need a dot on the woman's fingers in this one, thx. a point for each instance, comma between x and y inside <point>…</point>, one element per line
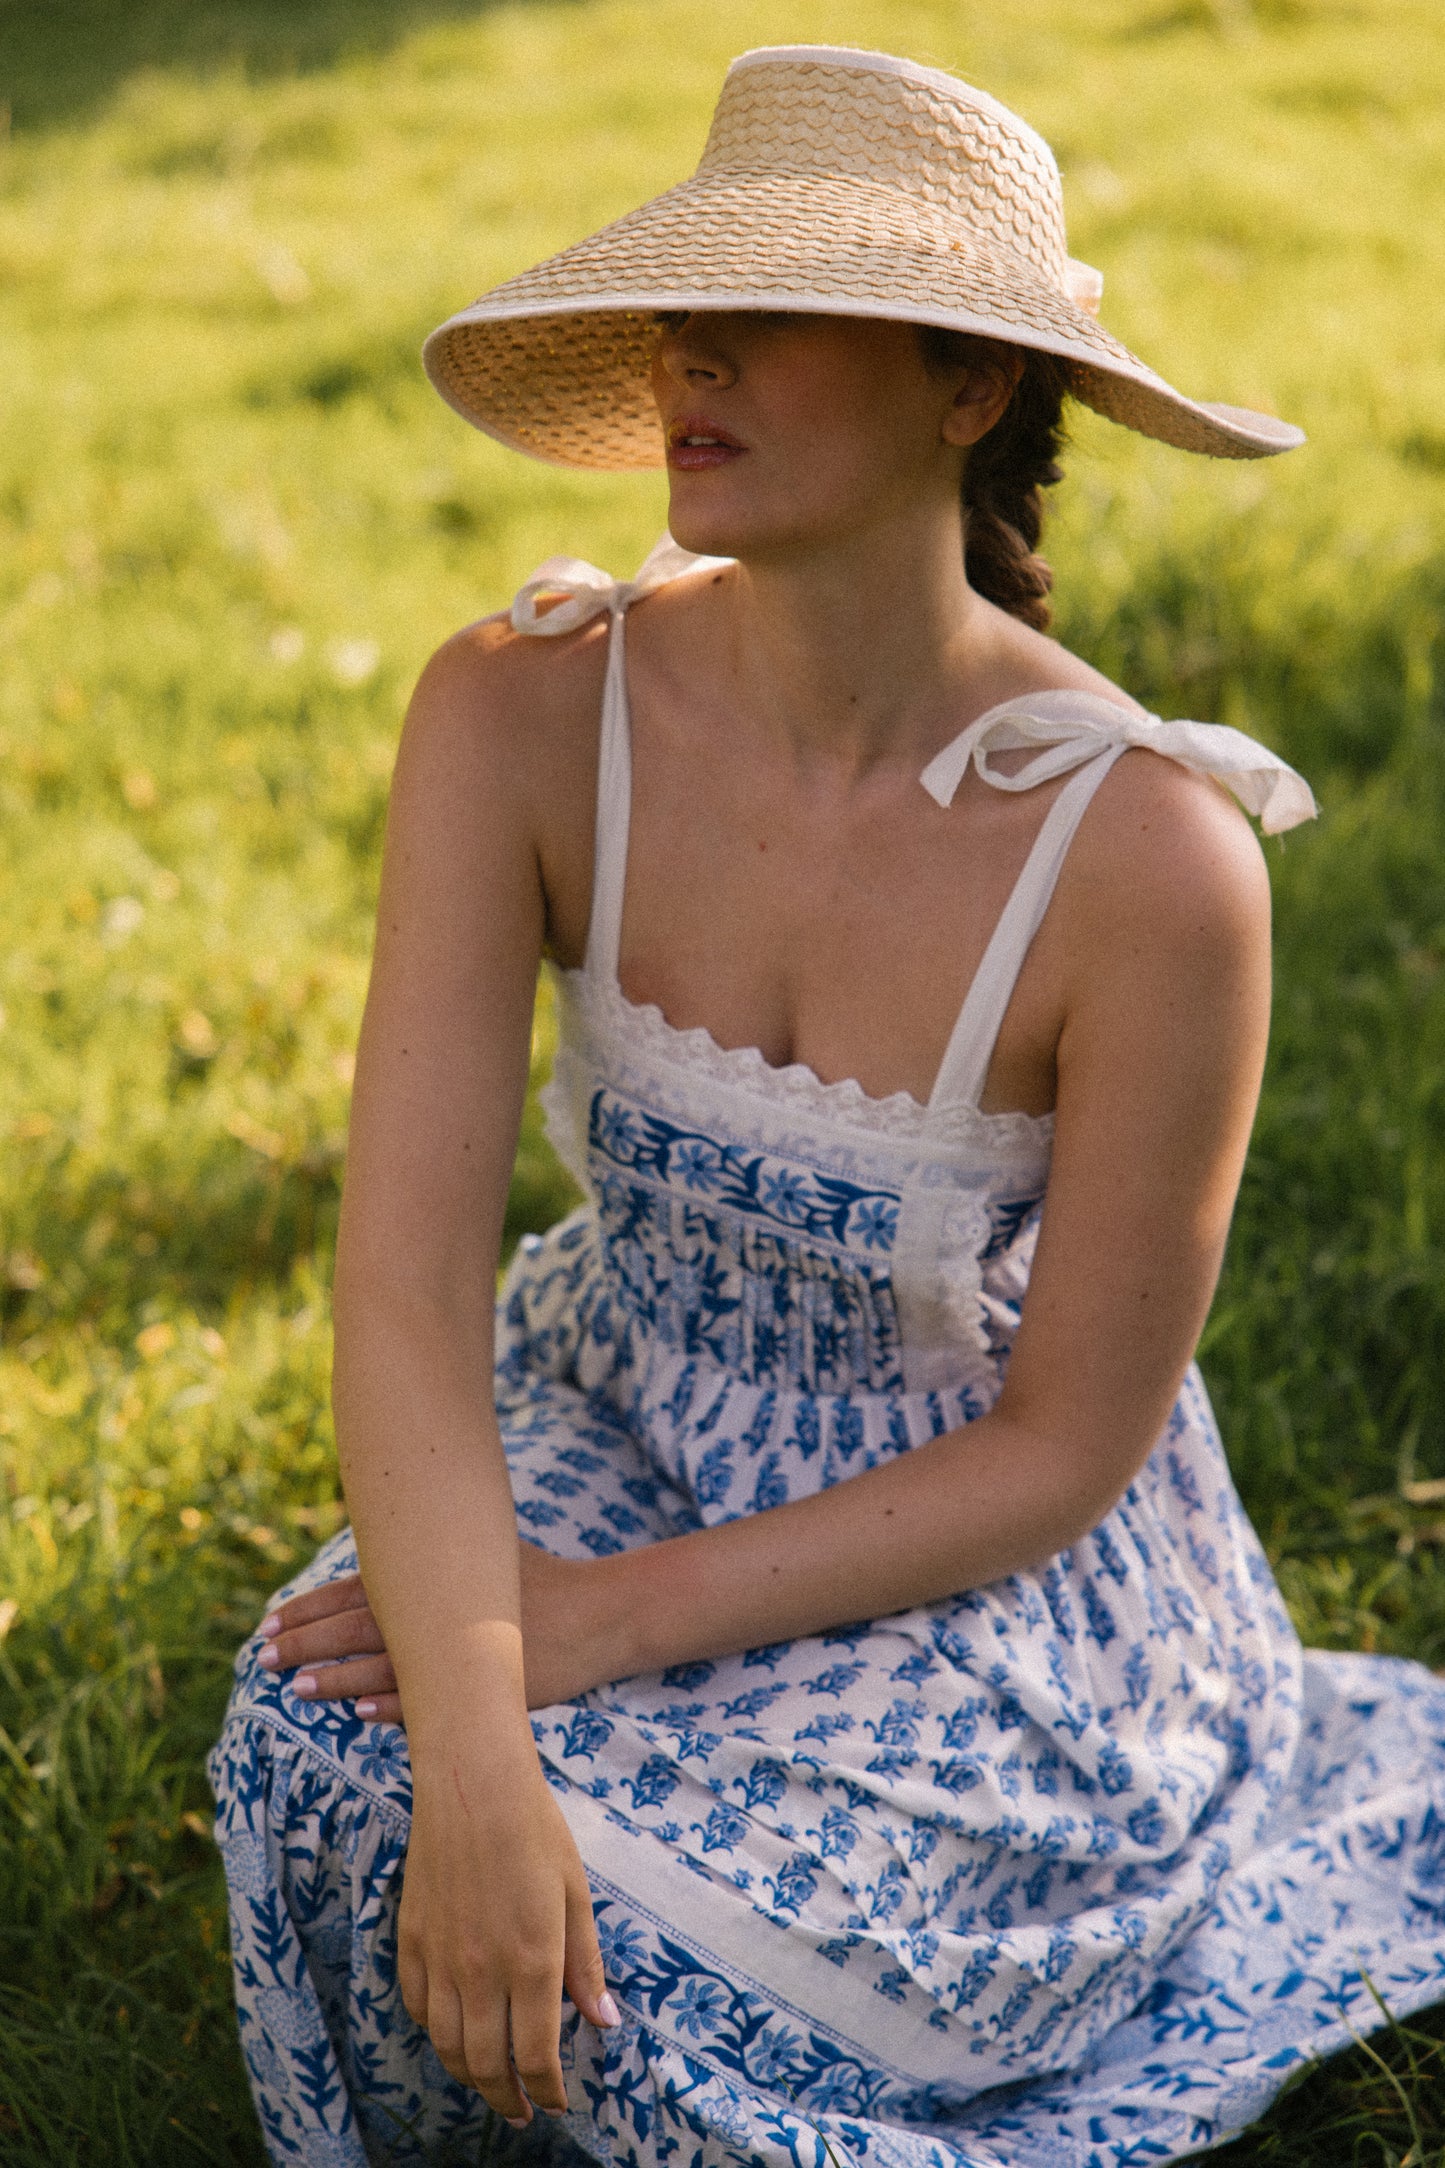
<point>346,1594</point>
<point>582,1973</point>
<point>352,1632</point>
<point>492,1878</point>
<point>444,2022</point>
<point>411,1974</point>
<point>369,1675</point>
<point>470,2036</point>
<point>490,2066</point>
<point>382,1709</point>
<point>536,2032</point>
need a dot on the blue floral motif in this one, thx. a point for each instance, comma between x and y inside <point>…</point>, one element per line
<point>714,1477</point>
<point>875,1222</point>
<point>724,1831</point>
<point>794,1882</point>
<point>384,1755</point>
<point>748,1183</point>
<point>771,1487</point>
<point>586,1735</point>
<point>1116,1772</point>
<point>698,2009</point>
<point>1146,1824</point>
<point>698,1164</point>
<point>616,1131</point>
<point>654,1783</point>
<point>835,1680</point>
<point>785,1195</point>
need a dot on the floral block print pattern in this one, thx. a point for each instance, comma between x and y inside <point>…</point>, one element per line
<point>711,2067</point>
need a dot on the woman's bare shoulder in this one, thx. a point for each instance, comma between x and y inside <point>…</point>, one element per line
<point>1166,856</point>
<point>494,681</point>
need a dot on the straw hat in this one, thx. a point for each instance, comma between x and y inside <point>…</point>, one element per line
<point>844,182</point>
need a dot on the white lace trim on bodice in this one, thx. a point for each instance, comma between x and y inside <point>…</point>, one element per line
<point>795,1089</point>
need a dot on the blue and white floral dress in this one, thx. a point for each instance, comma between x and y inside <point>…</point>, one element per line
<point>1072,1870</point>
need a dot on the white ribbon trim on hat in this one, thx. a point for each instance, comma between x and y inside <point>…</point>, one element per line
<point>1073,728</point>
<point>1083,285</point>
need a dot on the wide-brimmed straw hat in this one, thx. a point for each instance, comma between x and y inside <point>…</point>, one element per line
<point>843,182</point>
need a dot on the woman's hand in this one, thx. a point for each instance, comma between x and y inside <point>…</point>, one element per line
<point>496,1915</point>
<point>572,1620</point>
<point>333,1632</point>
<point>496,1922</point>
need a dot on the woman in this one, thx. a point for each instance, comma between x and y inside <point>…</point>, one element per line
<point>1069,1854</point>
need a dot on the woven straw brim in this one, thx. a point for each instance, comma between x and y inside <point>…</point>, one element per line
<point>556,362</point>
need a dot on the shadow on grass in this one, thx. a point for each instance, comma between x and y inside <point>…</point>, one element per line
<point>62,59</point>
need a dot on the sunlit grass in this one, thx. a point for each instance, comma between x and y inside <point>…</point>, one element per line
<point>236,521</point>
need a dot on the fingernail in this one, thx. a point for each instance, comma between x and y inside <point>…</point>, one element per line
<point>306,1684</point>
<point>269,1659</point>
<point>366,1708</point>
<point>519,2122</point>
<point>271,1625</point>
<point>607,2010</point>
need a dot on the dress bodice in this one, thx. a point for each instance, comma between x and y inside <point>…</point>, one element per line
<point>918,1217</point>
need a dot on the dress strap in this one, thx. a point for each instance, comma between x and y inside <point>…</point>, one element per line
<point>961,1076</point>
<point>1082,732</point>
<point>563,594</point>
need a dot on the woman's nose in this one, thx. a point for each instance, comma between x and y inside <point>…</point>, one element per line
<point>692,352</point>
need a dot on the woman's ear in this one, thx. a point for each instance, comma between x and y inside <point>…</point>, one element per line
<point>982,397</point>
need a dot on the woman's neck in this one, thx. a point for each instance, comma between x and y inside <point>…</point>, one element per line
<point>860,649</point>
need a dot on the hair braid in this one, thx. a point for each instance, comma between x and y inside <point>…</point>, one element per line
<point>1003,483</point>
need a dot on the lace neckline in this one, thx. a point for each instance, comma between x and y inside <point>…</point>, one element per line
<point>795,1084</point>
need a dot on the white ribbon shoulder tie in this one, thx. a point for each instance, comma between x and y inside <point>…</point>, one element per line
<point>1066,729</point>
<point>566,592</point>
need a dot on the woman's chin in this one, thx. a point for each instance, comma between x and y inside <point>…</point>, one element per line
<point>706,530</point>
<point>722,512</point>
<point>718,530</point>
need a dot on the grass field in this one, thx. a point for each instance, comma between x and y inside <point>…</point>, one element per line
<point>234,523</point>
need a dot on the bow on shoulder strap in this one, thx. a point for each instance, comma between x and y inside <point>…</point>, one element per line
<point>1064,730</point>
<point>566,592</point>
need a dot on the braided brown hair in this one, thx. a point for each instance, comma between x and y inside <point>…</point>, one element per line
<point>1007,472</point>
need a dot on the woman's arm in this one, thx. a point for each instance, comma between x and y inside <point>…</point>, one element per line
<point>495,1915</point>
<point>1163,923</point>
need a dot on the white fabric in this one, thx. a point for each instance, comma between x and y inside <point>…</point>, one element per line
<point>576,592</point>
<point>579,592</point>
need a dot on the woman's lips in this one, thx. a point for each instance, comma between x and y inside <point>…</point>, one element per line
<point>693,443</point>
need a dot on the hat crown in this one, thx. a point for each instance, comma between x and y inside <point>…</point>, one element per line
<point>928,136</point>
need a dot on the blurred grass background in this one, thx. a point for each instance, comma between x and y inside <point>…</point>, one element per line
<point>235,521</point>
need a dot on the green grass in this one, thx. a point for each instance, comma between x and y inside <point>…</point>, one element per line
<point>235,521</point>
